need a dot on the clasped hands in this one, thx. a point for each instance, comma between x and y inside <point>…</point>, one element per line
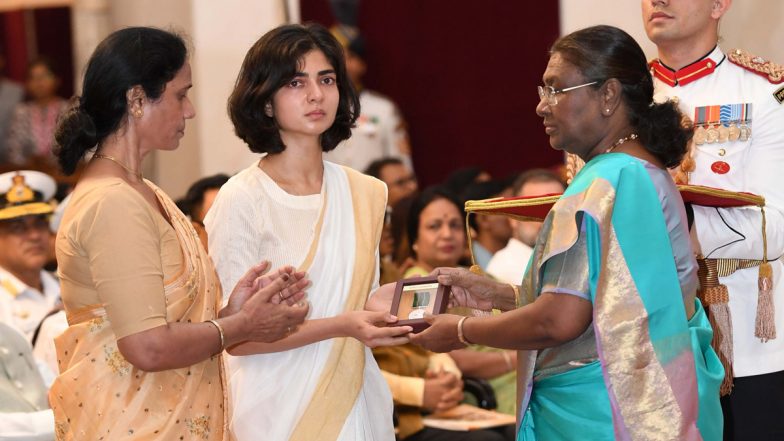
<point>272,305</point>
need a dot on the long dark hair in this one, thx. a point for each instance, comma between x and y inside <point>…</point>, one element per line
<point>605,52</point>
<point>137,56</point>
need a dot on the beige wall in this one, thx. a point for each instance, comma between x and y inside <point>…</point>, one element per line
<point>172,171</point>
<point>223,33</point>
<point>754,25</point>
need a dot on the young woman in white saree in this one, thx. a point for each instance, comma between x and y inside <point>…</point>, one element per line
<point>291,103</point>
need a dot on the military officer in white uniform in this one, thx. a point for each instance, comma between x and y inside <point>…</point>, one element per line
<point>380,130</point>
<point>735,102</point>
<point>27,292</point>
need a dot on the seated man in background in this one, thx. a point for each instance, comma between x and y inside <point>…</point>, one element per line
<point>401,184</point>
<point>401,181</point>
<point>508,264</point>
<point>490,233</point>
<point>27,292</point>
<point>198,200</point>
<point>380,130</point>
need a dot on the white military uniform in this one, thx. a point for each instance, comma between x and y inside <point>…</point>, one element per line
<point>379,133</point>
<point>23,307</point>
<point>24,408</point>
<point>715,90</point>
<point>509,263</point>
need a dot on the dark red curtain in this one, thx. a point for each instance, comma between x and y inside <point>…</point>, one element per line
<point>464,75</point>
<point>51,28</point>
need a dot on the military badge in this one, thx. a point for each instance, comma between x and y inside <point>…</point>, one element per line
<point>779,95</point>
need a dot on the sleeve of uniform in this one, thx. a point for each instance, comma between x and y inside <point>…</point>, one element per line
<point>763,177</point>
<point>231,232</point>
<point>27,426</point>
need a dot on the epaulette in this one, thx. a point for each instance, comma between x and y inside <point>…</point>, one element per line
<point>771,71</point>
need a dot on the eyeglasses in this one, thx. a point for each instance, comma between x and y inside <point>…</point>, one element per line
<point>24,225</point>
<point>550,93</point>
<point>404,181</point>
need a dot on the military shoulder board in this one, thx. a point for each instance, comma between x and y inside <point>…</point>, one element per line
<point>760,66</point>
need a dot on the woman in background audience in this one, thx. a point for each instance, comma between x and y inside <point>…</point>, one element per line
<point>436,227</point>
<point>141,358</point>
<point>31,134</point>
<point>292,102</point>
<point>436,231</point>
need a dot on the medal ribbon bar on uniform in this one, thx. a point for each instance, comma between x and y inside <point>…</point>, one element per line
<point>722,123</point>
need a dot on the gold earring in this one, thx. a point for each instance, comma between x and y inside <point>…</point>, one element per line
<point>138,113</point>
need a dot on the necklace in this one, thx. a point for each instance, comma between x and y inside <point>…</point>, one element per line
<point>631,137</point>
<point>113,159</point>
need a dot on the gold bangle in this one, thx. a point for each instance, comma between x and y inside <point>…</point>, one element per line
<point>516,294</point>
<point>222,336</point>
<point>508,360</point>
<point>460,335</point>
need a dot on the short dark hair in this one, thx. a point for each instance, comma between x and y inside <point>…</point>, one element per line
<point>459,179</point>
<point>195,194</point>
<point>271,63</point>
<point>420,202</point>
<point>482,190</point>
<point>375,167</point>
<point>605,52</point>
<point>137,56</point>
<point>535,175</point>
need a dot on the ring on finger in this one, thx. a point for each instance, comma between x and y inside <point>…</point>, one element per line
<point>280,295</point>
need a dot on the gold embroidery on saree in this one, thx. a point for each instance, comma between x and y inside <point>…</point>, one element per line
<point>116,362</point>
<point>199,426</point>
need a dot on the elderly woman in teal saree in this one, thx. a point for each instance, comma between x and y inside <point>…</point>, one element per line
<point>615,345</point>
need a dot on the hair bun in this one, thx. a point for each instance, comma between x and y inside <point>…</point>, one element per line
<point>75,135</point>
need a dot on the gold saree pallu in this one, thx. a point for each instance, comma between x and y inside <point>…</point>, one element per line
<point>341,380</point>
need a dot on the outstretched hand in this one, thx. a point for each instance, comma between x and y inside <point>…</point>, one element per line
<point>468,289</point>
<point>371,328</point>
<point>441,335</point>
